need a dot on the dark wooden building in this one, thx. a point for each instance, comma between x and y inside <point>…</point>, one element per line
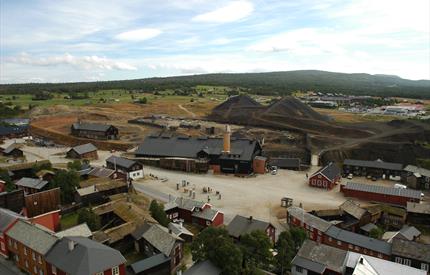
<point>376,193</point>
<point>13,131</point>
<point>132,169</point>
<point>94,131</point>
<point>411,253</point>
<point>377,168</point>
<point>225,155</point>
<point>285,163</point>
<point>12,151</point>
<point>240,226</point>
<point>32,185</point>
<point>326,177</point>
<point>418,213</point>
<point>416,177</point>
<point>85,151</point>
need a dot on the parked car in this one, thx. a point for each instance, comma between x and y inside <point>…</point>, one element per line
<point>349,177</point>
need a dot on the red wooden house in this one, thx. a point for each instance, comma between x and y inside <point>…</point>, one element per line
<point>7,219</point>
<point>195,212</point>
<point>326,177</point>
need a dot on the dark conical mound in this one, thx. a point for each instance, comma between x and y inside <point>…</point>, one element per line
<point>293,108</point>
<point>239,101</point>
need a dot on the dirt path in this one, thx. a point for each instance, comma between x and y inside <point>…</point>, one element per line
<point>186,110</point>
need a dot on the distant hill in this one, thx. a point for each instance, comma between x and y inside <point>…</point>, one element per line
<point>273,83</point>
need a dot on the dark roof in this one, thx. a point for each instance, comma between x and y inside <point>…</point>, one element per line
<point>318,257</point>
<point>10,148</point>
<point>84,148</point>
<point>410,249</point>
<point>87,256</point>
<point>401,192</point>
<point>242,225</point>
<point>352,208</point>
<point>184,203</point>
<point>7,217</point>
<point>148,263</point>
<point>359,240</point>
<point>285,162</point>
<point>101,172</point>
<point>203,268</point>
<point>374,164</point>
<point>123,162</point>
<point>208,214</point>
<point>34,236</point>
<point>188,147</point>
<point>418,208</point>
<point>309,219</point>
<point>9,130</point>
<point>330,171</point>
<point>91,127</point>
<point>31,183</point>
<point>368,227</point>
<point>158,236</point>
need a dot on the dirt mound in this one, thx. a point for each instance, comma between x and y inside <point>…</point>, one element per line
<point>292,107</point>
<point>235,106</point>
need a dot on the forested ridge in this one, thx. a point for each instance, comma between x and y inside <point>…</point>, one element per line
<point>272,83</point>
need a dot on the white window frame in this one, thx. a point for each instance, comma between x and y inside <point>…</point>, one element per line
<point>398,260</point>
<point>425,266</point>
<point>115,270</point>
<point>100,273</point>
<point>407,262</point>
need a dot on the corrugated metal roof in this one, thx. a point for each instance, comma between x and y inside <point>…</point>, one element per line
<point>207,214</point>
<point>374,164</point>
<point>188,147</point>
<point>7,217</point>
<point>80,230</point>
<point>330,171</point>
<point>311,220</point>
<point>401,192</point>
<point>101,172</point>
<point>91,127</point>
<point>411,250</point>
<point>308,264</point>
<point>285,162</point>
<point>31,183</point>
<point>419,170</point>
<point>84,148</point>
<point>359,240</point>
<point>123,162</point>
<point>205,267</point>
<point>353,209</point>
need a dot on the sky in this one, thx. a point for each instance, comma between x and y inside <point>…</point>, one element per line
<point>90,40</point>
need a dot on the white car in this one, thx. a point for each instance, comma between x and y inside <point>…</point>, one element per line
<point>349,177</point>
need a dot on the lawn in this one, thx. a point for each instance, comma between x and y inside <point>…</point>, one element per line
<point>69,220</point>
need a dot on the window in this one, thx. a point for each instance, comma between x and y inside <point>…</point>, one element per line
<point>100,273</point>
<point>425,266</point>
<point>40,259</point>
<point>339,243</point>
<point>54,270</point>
<point>16,258</point>
<point>350,246</point>
<point>26,263</point>
<point>357,248</point>
<point>407,262</point>
<point>379,255</point>
<point>115,270</point>
<point>208,222</point>
<point>34,256</point>
<point>2,246</point>
<point>25,251</point>
<point>35,269</point>
<point>10,242</point>
<point>299,269</point>
<point>15,244</point>
<point>330,239</point>
<point>398,260</point>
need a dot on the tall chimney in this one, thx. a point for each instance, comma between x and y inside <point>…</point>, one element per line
<point>227,135</point>
<point>71,245</point>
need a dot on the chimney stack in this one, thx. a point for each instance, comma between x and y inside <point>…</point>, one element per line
<point>227,136</point>
<point>71,245</point>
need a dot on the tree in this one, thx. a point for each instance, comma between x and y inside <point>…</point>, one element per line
<point>376,233</point>
<point>87,215</point>
<point>256,247</point>
<point>288,244</point>
<point>75,165</point>
<point>157,212</point>
<point>215,244</point>
<point>143,100</point>
<point>41,166</point>
<point>68,181</point>
<point>4,176</point>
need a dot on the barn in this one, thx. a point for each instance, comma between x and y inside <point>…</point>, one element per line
<point>85,151</point>
<point>376,168</point>
<point>12,150</point>
<point>94,131</point>
<point>377,193</point>
<point>326,177</point>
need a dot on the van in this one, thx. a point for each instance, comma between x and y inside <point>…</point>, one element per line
<point>400,186</point>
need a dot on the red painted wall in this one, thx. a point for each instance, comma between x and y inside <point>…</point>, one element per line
<point>107,272</point>
<point>49,220</point>
<point>219,219</point>
<point>369,196</point>
<point>3,241</point>
<point>324,183</point>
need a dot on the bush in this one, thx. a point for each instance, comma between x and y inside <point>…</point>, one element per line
<point>157,212</point>
<point>86,215</point>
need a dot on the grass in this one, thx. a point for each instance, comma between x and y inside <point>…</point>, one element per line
<point>69,220</point>
<point>133,256</point>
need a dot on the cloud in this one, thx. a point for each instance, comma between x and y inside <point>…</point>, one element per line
<point>233,11</point>
<point>138,34</point>
<point>220,41</point>
<point>83,62</point>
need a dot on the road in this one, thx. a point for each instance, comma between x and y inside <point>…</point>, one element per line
<point>152,192</point>
<point>186,110</point>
